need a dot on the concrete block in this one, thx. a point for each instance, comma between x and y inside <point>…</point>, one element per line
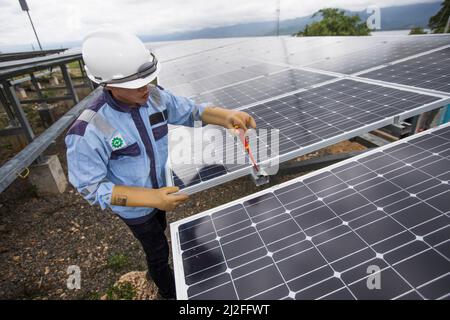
<point>54,81</point>
<point>22,93</point>
<point>48,177</point>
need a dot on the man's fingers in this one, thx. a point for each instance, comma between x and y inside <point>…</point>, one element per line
<point>252,122</point>
<point>238,122</point>
<point>179,197</point>
<point>171,189</point>
<point>230,125</point>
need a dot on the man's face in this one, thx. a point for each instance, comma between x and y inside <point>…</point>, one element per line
<point>134,97</point>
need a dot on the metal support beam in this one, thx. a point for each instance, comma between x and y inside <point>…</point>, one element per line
<point>35,85</point>
<point>316,163</point>
<point>6,105</point>
<point>18,111</point>
<point>69,83</point>
<point>83,72</point>
<point>81,85</point>
<point>10,170</point>
<point>84,75</point>
<point>400,129</point>
<point>385,135</point>
<point>370,140</point>
<point>46,100</point>
<point>28,78</point>
<point>10,131</point>
<point>90,84</point>
<point>414,123</point>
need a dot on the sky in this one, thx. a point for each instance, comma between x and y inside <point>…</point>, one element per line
<point>70,20</point>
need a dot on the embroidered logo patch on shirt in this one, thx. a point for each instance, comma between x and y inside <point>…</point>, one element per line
<point>117,142</point>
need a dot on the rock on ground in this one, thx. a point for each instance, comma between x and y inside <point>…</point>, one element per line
<point>144,289</point>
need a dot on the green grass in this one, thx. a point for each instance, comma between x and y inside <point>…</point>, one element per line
<point>117,262</point>
<point>93,295</point>
<point>73,65</point>
<point>121,291</point>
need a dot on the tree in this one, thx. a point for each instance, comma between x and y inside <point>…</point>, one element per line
<point>439,20</point>
<point>417,30</point>
<point>334,22</point>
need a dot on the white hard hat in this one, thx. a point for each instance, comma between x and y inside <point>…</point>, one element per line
<point>118,59</point>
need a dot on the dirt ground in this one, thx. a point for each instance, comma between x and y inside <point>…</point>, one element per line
<point>40,237</point>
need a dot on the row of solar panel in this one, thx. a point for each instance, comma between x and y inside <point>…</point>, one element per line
<point>330,117</point>
<point>321,236</point>
<point>345,55</point>
<point>309,120</point>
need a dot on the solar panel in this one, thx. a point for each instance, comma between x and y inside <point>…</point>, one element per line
<point>308,121</point>
<point>339,54</point>
<point>262,88</point>
<point>430,71</point>
<point>178,72</point>
<point>219,64</point>
<point>332,234</point>
<point>214,79</point>
<point>222,64</point>
<point>381,53</point>
<point>171,50</point>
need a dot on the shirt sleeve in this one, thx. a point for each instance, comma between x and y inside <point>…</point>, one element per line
<point>87,166</point>
<point>182,110</point>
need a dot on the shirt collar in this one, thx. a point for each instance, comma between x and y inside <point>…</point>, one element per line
<point>117,105</point>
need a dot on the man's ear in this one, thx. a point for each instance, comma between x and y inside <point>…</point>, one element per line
<point>111,89</point>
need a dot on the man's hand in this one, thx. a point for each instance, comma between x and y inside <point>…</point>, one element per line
<point>167,200</point>
<point>230,119</point>
<point>162,198</point>
<point>239,120</point>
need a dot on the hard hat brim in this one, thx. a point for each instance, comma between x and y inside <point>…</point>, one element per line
<point>132,84</point>
<point>138,83</point>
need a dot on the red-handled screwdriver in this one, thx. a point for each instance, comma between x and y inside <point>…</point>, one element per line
<point>245,141</point>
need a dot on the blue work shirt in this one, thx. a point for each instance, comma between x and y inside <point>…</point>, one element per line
<point>112,143</point>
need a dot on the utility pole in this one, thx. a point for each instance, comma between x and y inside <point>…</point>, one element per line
<point>278,17</point>
<point>24,6</point>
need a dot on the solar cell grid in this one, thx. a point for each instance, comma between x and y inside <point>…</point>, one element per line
<point>262,88</point>
<point>316,116</point>
<point>430,71</point>
<point>339,54</point>
<point>387,51</point>
<point>176,73</point>
<point>315,237</point>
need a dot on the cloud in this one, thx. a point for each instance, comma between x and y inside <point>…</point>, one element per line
<point>70,20</point>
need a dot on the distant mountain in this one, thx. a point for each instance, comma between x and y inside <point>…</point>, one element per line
<point>392,18</point>
<point>405,17</point>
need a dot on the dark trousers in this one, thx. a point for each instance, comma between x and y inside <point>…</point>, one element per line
<point>154,242</point>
